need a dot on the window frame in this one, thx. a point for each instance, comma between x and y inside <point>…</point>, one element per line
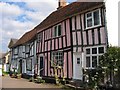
<point>29,64</point>
<point>57,53</point>
<point>56,31</point>
<point>92,55</point>
<point>92,16</point>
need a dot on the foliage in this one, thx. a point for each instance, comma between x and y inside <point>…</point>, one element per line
<point>31,79</point>
<point>4,73</point>
<point>18,70</point>
<point>56,67</point>
<point>39,80</point>
<point>110,63</point>
<point>109,67</point>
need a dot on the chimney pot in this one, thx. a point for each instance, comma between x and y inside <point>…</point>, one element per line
<point>61,4</point>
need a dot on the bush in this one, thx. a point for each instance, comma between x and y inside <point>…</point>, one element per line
<point>31,79</point>
<point>39,80</point>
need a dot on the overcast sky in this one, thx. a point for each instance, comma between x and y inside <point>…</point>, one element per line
<point>18,17</point>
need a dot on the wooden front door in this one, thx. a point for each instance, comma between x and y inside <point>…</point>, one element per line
<point>77,66</point>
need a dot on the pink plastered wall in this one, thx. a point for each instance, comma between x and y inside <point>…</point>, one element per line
<point>78,22</point>
<point>45,61</point>
<point>73,23</point>
<point>60,43</point>
<point>64,42</point>
<point>79,49</point>
<point>70,64</point>
<point>82,18</point>
<point>102,33</point>
<point>53,44</point>
<point>79,38</point>
<point>56,43</point>
<point>68,32</point>
<point>74,38</point>
<point>96,36</point>
<point>65,64</point>
<point>63,28</point>
<point>43,43</point>
<point>90,37</point>
<point>84,38</point>
<point>49,45</point>
<point>49,64</point>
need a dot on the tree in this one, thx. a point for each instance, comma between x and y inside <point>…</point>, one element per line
<point>110,63</point>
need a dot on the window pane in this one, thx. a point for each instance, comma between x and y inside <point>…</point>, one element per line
<point>55,32</point>
<point>94,50</point>
<point>78,60</point>
<point>87,61</point>
<point>94,61</point>
<point>58,58</point>
<point>101,49</point>
<point>87,51</point>
<point>96,17</point>
<point>59,30</point>
<point>89,15</point>
<point>89,22</point>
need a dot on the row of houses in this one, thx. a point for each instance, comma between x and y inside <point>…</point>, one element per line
<point>74,37</point>
<point>5,58</point>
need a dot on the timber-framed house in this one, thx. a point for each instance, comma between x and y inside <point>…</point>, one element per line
<point>75,36</point>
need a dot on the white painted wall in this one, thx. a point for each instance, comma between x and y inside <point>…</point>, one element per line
<point>6,67</point>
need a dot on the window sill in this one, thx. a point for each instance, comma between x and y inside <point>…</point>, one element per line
<point>92,27</point>
<point>55,37</point>
<point>90,68</point>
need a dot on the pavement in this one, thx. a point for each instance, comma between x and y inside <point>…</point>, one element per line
<point>8,82</point>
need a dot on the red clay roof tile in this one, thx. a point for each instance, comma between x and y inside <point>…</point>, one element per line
<point>66,12</point>
<point>58,16</point>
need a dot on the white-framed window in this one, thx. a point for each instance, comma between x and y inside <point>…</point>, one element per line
<point>57,31</point>
<point>93,19</point>
<point>57,58</point>
<point>92,56</point>
<point>16,50</point>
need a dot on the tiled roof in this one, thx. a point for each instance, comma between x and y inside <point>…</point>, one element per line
<point>2,55</point>
<point>66,12</point>
<point>58,16</point>
<point>12,42</point>
<point>26,37</point>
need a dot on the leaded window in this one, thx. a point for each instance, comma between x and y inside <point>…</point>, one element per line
<point>57,58</point>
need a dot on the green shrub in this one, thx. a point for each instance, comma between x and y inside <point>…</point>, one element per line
<point>39,80</point>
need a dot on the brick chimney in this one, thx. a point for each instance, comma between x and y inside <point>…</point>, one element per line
<point>61,4</point>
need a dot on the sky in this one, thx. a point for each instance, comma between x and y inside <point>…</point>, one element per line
<point>20,16</point>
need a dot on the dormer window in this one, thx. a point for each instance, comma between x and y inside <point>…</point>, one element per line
<point>93,19</point>
<point>57,31</point>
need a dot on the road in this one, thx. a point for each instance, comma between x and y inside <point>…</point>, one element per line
<point>13,83</point>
